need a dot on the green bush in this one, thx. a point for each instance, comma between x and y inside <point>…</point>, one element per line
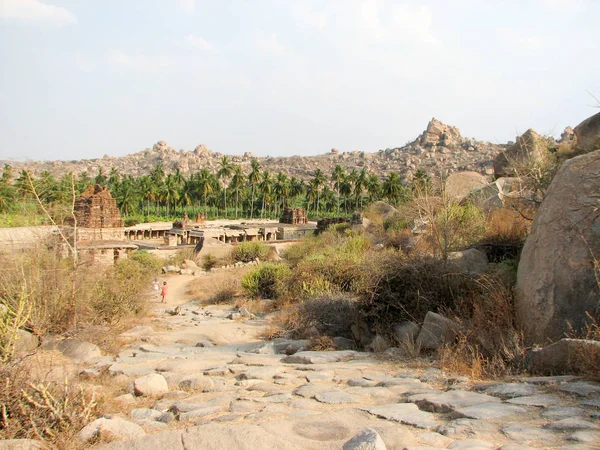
<point>148,261</point>
<point>209,261</point>
<point>249,251</point>
<point>266,281</point>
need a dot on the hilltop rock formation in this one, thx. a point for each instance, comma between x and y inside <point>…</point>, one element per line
<point>529,148</point>
<point>440,148</point>
<point>439,134</point>
<point>556,280</point>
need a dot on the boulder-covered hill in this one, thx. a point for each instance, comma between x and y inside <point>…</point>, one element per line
<point>439,148</point>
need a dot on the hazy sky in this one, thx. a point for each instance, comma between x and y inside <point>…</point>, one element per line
<point>85,78</point>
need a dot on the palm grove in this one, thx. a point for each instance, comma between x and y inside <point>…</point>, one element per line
<point>228,192</point>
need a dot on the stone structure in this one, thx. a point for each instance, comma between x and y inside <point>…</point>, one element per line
<point>556,280</point>
<point>97,209</point>
<point>293,216</point>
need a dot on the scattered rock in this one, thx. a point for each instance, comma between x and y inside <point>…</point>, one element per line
<point>470,261</point>
<point>367,439</point>
<point>112,428</point>
<point>406,332</point>
<point>150,385</point>
<point>75,349</point>
<point>26,342</point>
<point>436,331</point>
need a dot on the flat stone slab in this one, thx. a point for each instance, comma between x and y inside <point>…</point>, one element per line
<point>336,398</point>
<point>466,428</point>
<point>562,412</point>
<point>572,424</point>
<point>550,379</point>
<point>310,357</point>
<point>527,433</point>
<point>449,401</point>
<point>471,444</point>
<point>310,390</point>
<point>260,373</point>
<point>592,437</point>
<point>506,390</point>
<point>489,411</point>
<point>406,413</point>
<point>593,402</point>
<point>541,400</point>
<point>581,388</point>
<point>361,382</point>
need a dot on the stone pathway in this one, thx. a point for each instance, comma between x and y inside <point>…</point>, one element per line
<point>208,382</point>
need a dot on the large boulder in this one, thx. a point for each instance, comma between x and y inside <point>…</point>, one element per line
<point>556,280</point>
<point>440,134</point>
<point>529,148</point>
<point>471,261</point>
<point>564,356</point>
<point>110,428</point>
<point>436,331</point>
<point>151,384</point>
<point>587,134</point>
<point>77,350</point>
<point>460,184</point>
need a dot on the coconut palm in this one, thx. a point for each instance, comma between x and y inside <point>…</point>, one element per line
<point>204,185</point>
<point>392,188</point>
<point>318,182</point>
<point>237,182</point>
<point>253,180</point>
<point>223,174</point>
<point>266,187</point>
<point>147,190</point>
<point>337,177</point>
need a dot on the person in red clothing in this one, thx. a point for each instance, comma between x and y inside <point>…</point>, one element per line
<point>164,292</point>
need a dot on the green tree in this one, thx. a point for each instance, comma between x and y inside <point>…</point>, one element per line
<point>204,185</point>
<point>253,180</point>
<point>318,182</point>
<point>224,174</point>
<point>237,182</point>
<point>337,177</point>
<point>265,186</point>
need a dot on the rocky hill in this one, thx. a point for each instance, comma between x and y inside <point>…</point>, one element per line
<point>439,148</point>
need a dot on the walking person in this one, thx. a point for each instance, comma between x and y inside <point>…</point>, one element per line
<point>155,287</point>
<point>164,292</point>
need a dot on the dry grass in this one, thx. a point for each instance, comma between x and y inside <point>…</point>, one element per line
<point>48,411</point>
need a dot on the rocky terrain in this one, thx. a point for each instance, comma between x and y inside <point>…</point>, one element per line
<point>203,378</point>
<point>439,147</point>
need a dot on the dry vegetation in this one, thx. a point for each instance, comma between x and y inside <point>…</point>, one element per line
<point>44,293</point>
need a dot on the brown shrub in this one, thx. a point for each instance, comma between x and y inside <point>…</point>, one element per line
<point>46,411</point>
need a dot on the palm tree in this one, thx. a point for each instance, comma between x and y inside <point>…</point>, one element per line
<point>392,187</point>
<point>147,190</point>
<point>318,182</point>
<point>170,192</point>
<point>126,197</point>
<point>281,189</point>
<point>188,190</point>
<point>359,186</point>
<point>265,186</point>
<point>337,177</point>
<point>253,180</point>
<point>224,173</point>
<point>100,177</point>
<point>237,182</point>
<point>204,184</point>
<point>113,178</point>
<point>373,186</point>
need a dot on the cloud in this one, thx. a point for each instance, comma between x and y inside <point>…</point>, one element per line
<point>269,43</point>
<point>524,41</point>
<point>308,17</point>
<point>37,12</point>
<point>378,21</point>
<point>187,5</point>
<point>200,43</point>
<point>119,58</point>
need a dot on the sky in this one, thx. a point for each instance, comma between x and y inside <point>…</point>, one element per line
<point>87,78</point>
